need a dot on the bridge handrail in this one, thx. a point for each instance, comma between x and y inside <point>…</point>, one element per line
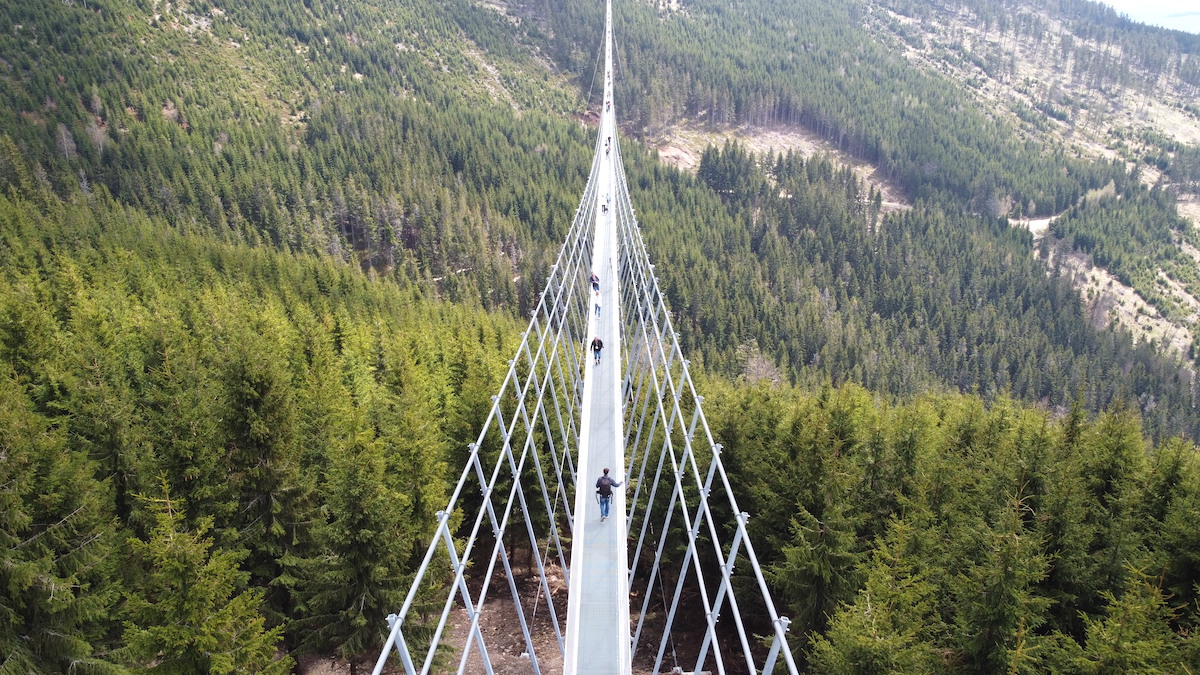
<point>649,320</point>
<point>561,306</point>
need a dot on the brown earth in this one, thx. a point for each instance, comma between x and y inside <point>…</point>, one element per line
<point>682,145</point>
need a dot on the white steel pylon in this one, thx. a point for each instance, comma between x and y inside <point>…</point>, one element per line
<point>528,483</point>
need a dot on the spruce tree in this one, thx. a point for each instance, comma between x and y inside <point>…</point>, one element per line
<point>189,610</point>
<point>1135,635</point>
<point>351,583</point>
<point>56,547</point>
<point>893,624</point>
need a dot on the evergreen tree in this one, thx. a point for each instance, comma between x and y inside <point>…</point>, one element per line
<point>262,455</point>
<point>997,596</point>
<point>188,611</point>
<point>351,583</point>
<point>893,625</point>
<point>818,571</point>
<point>56,548</point>
<point>1135,635</point>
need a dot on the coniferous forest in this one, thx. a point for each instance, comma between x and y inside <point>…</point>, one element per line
<point>263,264</point>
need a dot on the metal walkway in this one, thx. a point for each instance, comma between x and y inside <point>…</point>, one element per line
<point>527,487</point>
<point>598,608</point>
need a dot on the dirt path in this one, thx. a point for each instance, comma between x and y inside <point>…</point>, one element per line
<point>1112,301</point>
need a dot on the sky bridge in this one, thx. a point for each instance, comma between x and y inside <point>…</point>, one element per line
<point>653,588</point>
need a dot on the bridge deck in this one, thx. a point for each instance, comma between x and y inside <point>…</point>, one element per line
<point>529,410</point>
<point>598,633</point>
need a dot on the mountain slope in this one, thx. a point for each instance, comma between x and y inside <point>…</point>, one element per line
<point>262,263</point>
<point>434,144</point>
<point>1074,75</point>
<point>355,131</point>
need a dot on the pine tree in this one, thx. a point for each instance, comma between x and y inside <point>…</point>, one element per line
<point>996,595</point>
<point>189,611</point>
<point>262,454</point>
<point>1136,636</point>
<point>348,587</point>
<point>818,570</point>
<point>56,545</point>
<point>893,623</point>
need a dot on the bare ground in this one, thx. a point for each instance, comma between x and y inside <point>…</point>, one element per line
<point>1112,301</point>
<point>682,145</point>
<point>506,646</point>
<point>1103,122</point>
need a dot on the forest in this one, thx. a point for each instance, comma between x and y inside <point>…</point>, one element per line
<point>943,535</point>
<point>262,265</point>
<point>209,447</point>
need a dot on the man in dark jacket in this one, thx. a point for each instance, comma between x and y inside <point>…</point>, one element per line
<point>597,345</point>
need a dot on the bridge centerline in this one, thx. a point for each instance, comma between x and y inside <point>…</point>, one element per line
<point>530,431</point>
<point>598,631</point>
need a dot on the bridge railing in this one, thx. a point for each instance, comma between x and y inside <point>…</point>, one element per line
<point>681,487</point>
<point>519,474</point>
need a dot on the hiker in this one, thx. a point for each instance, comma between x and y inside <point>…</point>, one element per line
<point>597,305</point>
<point>604,486</point>
<point>595,282</point>
<point>597,345</point>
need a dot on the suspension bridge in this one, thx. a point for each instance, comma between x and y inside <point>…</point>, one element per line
<point>652,589</point>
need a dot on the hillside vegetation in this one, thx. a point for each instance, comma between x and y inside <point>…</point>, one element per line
<point>985,91</point>
<point>212,449</point>
<point>209,447</point>
<point>1076,75</point>
<point>262,263</point>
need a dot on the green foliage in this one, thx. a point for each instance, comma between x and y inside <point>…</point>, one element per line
<point>1002,537</point>
<point>325,129</point>
<point>924,299</point>
<point>1135,635</point>
<point>253,382</point>
<point>811,64</point>
<point>56,543</point>
<point>427,142</point>
<point>892,626</point>
<point>1134,235</point>
<point>352,583</point>
<point>817,571</point>
<point>188,610</point>
<point>188,195</point>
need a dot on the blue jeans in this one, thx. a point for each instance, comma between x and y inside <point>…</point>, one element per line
<point>605,502</point>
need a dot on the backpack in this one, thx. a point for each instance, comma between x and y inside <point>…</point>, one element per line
<point>604,486</point>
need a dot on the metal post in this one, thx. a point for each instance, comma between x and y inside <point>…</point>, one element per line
<point>394,622</point>
<point>781,626</point>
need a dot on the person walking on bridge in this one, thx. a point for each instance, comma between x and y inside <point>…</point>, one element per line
<point>604,488</point>
<point>597,345</point>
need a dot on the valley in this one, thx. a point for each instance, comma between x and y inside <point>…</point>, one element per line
<point>264,265</point>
